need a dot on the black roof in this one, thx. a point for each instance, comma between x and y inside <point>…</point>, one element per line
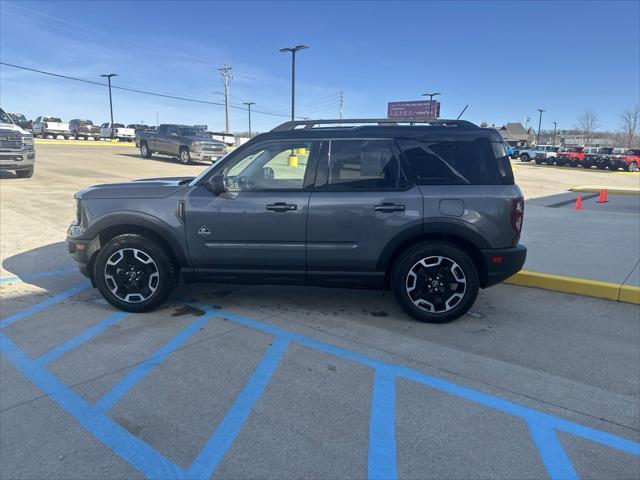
<point>382,128</point>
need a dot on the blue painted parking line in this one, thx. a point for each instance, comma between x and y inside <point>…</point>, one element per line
<point>382,427</point>
<point>129,381</point>
<point>219,443</point>
<point>382,447</point>
<point>44,304</point>
<point>36,276</point>
<point>120,441</point>
<point>85,336</point>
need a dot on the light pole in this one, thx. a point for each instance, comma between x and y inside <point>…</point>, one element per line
<point>293,51</point>
<point>109,75</point>
<point>539,126</point>
<point>226,80</point>
<point>248,104</point>
<point>431,109</point>
<point>555,127</point>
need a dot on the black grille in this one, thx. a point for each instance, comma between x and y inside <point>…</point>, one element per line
<point>9,139</point>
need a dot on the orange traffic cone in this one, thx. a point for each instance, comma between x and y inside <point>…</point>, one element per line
<point>579,202</point>
<point>604,196</point>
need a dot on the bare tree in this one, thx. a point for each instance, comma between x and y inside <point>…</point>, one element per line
<point>588,123</point>
<point>630,124</point>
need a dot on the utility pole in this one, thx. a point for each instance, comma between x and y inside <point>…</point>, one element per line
<point>341,104</point>
<point>555,127</point>
<point>248,104</point>
<point>539,126</point>
<point>109,75</point>
<point>293,51</point>
<point>226,80</point>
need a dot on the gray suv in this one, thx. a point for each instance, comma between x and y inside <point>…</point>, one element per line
<point>430,211</point>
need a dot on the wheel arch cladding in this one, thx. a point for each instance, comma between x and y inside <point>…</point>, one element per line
<point>462,237</point>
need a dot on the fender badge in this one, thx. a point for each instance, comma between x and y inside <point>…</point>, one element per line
<point>204,231</point>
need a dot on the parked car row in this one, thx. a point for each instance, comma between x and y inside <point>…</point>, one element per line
<point>601,157</point>
<point>51,126</point>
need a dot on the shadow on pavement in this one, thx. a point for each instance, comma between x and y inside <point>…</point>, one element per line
<point>161,159</point>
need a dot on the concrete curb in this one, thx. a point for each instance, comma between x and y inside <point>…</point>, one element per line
<point>83,143</point>
<point>577,286</point>
<point>594,189</point>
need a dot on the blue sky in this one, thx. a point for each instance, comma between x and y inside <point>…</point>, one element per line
<point>505,59</point>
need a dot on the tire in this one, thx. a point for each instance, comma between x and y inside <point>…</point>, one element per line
<point>144,151</point>
<point>184,156</point>
<point>573,163</point>
<point>43,134</point>
<point>410,270</point>
<point>27,173</point>
<point>524,157</point>
<point>115,268</point>
<point>613,168</point>
<point>551,161</point>
<point>538,161</point>
<point>632,167</point>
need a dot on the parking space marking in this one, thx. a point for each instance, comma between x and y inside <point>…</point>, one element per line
<point>382,426</point>
<point>85,336</point>
<point>129,447</point>
<point>551,451</point>
<point>382,447</point>
<point>36,276</point>
<point>223,437</point>
<point>44,304</point>
<point>119,390</point>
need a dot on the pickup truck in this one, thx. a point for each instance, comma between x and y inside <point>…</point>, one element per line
<point>119,131</point>
<point>54,126</point>
<point>572,156</point>
<point>182,141</point>
<point>84,129</point>
<point>16,148</point>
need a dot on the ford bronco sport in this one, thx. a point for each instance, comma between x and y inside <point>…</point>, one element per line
<point>430,211</point>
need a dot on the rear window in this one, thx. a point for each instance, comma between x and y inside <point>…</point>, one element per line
<point>52,119</point>
<point>118,125</point>
<point>477,162</point>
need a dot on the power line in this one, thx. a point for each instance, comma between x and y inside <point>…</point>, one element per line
<point>135,90</point>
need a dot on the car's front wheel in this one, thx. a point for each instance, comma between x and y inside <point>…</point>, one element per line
<point>184,156</point>
<point>524,157</point>
<point>144,151</point>
<point>134,273</point>
<point>435,282</point>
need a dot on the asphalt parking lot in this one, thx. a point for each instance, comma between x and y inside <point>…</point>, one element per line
<point>289,382</point>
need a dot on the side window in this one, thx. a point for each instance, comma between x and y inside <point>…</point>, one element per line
<point>162,130</point>
<point>171,130</point>
<point>360,165</point>
<point>279,165</point>
<point>479,161</point>
<point>427,167</point>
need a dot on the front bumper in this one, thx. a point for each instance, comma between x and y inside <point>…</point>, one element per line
<point>503,263</point>
<point>17,159</point>
<point>206,155</point>
<point>82,249</point>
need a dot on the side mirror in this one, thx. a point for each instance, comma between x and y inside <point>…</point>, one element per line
<point>216,184</point>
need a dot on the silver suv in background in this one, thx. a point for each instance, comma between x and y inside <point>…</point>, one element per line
<point>545,154</point>
<point>16,148</point>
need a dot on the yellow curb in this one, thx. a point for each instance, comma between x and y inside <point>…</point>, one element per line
<point>630,294</point>
<point>575,169</point>
<point>87,143</point>
<point>594,189</point>
<point>578,286</point>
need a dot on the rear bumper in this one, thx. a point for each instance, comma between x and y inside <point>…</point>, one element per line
<point>502,263</point>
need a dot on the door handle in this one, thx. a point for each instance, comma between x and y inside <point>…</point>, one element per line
<point>282,207</point>
<point>388,208</point>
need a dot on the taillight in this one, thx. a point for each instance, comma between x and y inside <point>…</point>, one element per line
<point>517,214</point>
<point>46,125</point>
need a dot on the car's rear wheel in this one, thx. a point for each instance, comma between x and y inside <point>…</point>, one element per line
<point>144,151</point>
<point>551,161</point>
<point>184,155</point>
<point>134,273</point>
<point>524,157</point>
<point>632,167</point>
<point>435,282</point>
<point>574,163</point>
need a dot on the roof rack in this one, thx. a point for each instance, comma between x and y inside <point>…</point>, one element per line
<point>292,125</point>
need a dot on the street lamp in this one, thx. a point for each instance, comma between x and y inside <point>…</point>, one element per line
<point>539,126</point>
<point>293,51</point>
<point>248,104</point>
<point>109,75</point>
<point>431,95</point>
<point>555,127</point>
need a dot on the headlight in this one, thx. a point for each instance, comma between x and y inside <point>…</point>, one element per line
<point>196,146</point>
<point>27,140</point>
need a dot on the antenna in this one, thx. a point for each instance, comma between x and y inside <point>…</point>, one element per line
<point>463,110</point>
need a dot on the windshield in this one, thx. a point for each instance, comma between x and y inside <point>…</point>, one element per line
<point>193,132</point>
<point>4,118</point>
<point>18,117</point>
<point>84,123</point>
<point>118,125</point>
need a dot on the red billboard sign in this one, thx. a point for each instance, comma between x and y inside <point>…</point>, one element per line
<point>419,109</point>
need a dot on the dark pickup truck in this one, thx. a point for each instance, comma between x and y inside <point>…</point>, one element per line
<point>182,141</point>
